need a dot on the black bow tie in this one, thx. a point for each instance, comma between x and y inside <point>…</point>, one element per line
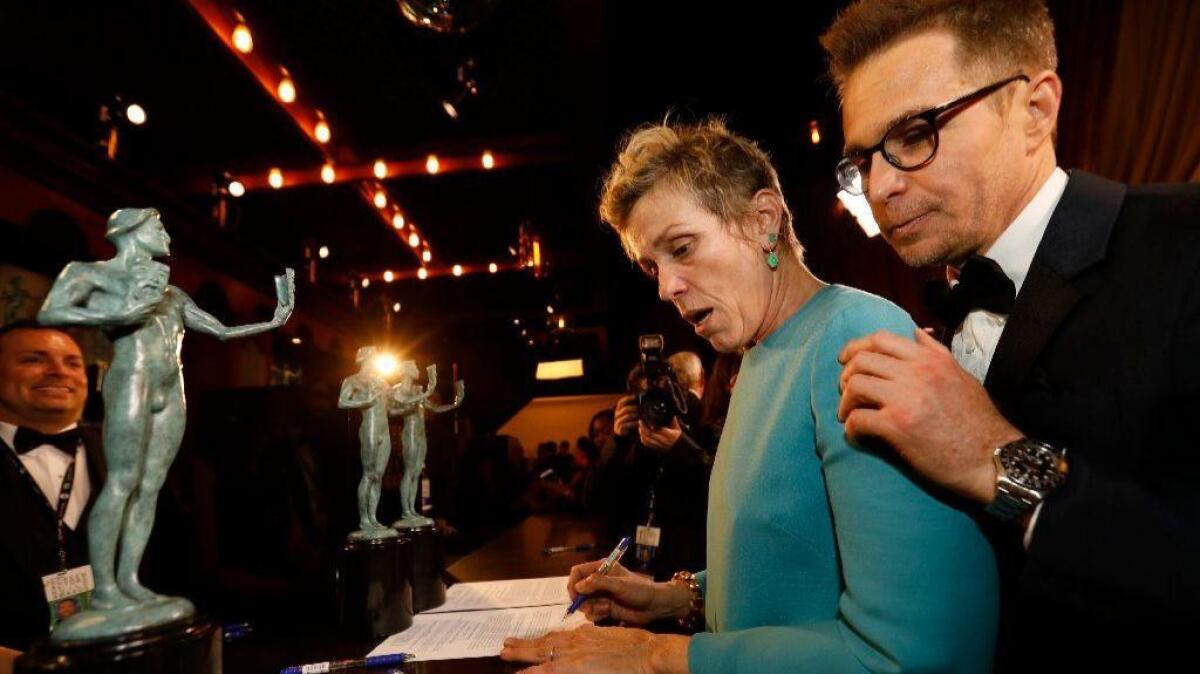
<point>982,284</point>
<point>28,439</point>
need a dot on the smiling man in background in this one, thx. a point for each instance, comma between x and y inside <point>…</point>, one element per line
<point>46,481</point>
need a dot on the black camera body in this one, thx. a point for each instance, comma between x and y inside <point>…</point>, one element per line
<point>660,398</point>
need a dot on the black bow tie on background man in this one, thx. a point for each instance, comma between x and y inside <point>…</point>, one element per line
<point>982,284</point>
<point>28,439</point>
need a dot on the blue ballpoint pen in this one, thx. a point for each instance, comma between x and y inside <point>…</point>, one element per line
<point>339,665</point>
<point>613,558</point>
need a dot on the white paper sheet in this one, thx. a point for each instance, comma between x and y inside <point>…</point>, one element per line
<point>505,594</point>
<point>475,634</point>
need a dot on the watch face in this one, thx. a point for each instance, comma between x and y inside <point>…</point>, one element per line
<point>1033,465</point>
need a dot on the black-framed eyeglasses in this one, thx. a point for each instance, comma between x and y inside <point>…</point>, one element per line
<point>910,143</point>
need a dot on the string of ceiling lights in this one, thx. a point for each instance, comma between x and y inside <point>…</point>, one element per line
<point>233,30</point>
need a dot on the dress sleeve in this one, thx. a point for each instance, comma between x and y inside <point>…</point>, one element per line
<point>919,579</point>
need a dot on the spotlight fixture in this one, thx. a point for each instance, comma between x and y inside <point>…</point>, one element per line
<point>366,282</point>
<point>236,188</point>
<point>457,269</point>
<point>243,41</point>
<point>426,256</point>
<point>388,276</point>
<point>422,273</point>
<point>549,309</point>
<point>467,87</point>
<point>488,160</point>
<point>275,178</point>
<point>297,341</point>
<point>414,240</point>
<point>385,364</point>
<point>396,308</point>
<point>323,252</point>
<point>516,321</point>
<point>380,199</point>
<point>432,165</point>
<point>328,175</point>
<point>562,322</point>
<point>398,221</point>
<point>493,268</point>
<point>814,132</point>
<point>286,89</point>
<point>380,169</point>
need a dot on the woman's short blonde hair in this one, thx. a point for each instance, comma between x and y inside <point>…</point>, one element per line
<point>719,168</point>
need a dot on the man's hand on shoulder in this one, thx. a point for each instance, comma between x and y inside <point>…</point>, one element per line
<point>915,397</point>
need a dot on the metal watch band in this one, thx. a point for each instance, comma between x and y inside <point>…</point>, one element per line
<point>1007,507</point>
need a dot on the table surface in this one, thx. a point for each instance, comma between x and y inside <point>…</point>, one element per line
<point>517,553</point>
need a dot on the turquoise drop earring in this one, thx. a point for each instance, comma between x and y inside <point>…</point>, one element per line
<point>772,254</point>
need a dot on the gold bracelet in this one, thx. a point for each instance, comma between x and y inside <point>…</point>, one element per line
<point>693,620</point>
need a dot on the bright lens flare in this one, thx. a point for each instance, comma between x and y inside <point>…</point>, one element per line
<point>385,364</point>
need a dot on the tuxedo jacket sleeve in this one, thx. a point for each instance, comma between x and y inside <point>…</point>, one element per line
<point>1101,355</point>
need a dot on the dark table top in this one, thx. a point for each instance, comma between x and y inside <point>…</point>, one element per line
<point>517,553</point>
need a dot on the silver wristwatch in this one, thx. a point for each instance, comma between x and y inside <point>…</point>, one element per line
<point>1026,471</point>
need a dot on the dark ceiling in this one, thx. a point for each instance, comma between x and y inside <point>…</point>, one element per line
<point>573,74</point>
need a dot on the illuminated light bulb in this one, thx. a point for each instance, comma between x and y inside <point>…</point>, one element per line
<point>275,178</point>
<point>398,221</point>
<point>451,111</point>
<point>136,114</point>
<point>426,256</point>
<point>323,252</point>
<point>388,276</point>
<point>814,132</point>
<point>488,160</point>
<point>243,41</point>
<point>328,175</point>
<point>432,165</point>
<point>321,131</point>
<point>366,283</point>
<point>380,199</point>
<point>286,90</point>
<point>396,308</point>
<point>414,240</point>
<point>422,273</point>
<point>562,322</point>
<point>516,321</point>
<point>457,269</point>
<point>493,268</point>
<point>385,364</point>
<point>236,188</point>
<point>380,169</point>
<point>296,340</point>
<point>549,309</point>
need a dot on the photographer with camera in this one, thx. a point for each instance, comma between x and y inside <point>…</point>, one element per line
<point>659,468</point>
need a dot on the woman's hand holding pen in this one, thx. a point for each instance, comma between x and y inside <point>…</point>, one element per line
<point>625,596</point>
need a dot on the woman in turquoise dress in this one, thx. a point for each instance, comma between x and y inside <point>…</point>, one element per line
<point>823,556</point>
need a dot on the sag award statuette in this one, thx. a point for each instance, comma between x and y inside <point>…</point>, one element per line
<point>410,402</point>
<point>129,628</point>
<point>374,566</point>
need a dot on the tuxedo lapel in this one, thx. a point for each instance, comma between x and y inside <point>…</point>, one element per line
<point>1076,238</point>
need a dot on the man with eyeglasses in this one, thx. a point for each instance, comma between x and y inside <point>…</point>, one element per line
<point>1062,405</point>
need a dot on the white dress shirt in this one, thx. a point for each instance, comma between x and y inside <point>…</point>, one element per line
<point>47,465</point>
<point>975,341</point>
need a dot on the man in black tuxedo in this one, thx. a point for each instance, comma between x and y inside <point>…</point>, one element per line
<point>43,388</point>
<point>1063,403</point>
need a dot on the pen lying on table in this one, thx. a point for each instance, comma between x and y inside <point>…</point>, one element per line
<point>341,665</point>
<point>559,549</point>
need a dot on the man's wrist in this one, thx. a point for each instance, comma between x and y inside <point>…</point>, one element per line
<point>984,490</point>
